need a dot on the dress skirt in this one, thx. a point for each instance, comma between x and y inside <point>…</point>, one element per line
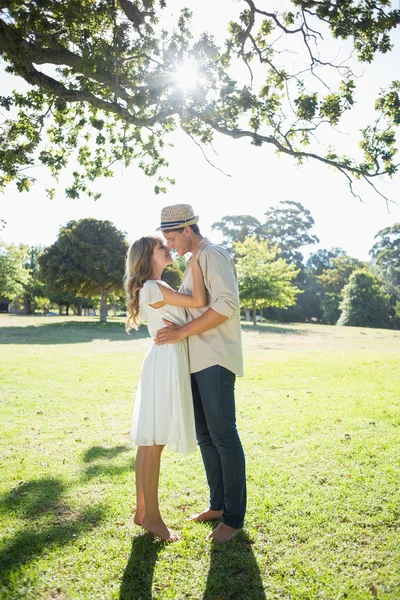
<point>163,412</point>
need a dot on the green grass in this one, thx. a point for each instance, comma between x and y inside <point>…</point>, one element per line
<point>319,416</point>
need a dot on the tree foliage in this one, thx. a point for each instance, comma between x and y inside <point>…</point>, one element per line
<point>103,84</point>
<point>265,279</point>
<point>19,275</point>
<point>13,274</point>
<point>318,304</point>
<point>330,305</point>
<point>386,254</point>
<point>172,275</point>
<point>86,260</point>
<point>321,260</point>
<point>364,303</point>
<point>335,278</point>
<point>236,228</point>
<point>289,224</point>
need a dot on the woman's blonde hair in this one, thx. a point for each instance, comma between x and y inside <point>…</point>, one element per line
<point>138,270</point>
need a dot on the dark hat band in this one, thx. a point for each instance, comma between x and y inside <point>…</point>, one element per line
<point>175,223</point>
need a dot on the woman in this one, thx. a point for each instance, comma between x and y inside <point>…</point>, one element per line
<point>163,411</point>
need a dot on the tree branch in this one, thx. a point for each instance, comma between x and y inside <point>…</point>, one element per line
<point>24,54</point>
<point>204,154</point>
<point>259,139</point>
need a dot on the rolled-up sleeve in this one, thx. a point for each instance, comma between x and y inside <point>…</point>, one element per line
<point>220,280</point>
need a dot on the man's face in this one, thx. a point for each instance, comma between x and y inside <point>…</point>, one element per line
<point>178,241</point>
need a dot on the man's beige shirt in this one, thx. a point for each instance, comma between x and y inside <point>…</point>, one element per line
<point>223,344</point>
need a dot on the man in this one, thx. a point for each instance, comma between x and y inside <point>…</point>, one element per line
<point>215,354</point>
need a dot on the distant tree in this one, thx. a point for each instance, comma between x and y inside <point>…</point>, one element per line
<point>311,302</point>
<point>321,260</point>
<point>364,303</point>
<point>19,274</point>
<point>173,276</point>
<point>385,254</point>
<point>13,274</point>
<point>335,278</point>
<point>386,250</point>
<point>265,278</point>
<point>63,299</point>
<point>236,228</point>
<point>180,262</point>
<point>33,286</point>
<point>332,281</point>
<point>86,260</point>
<point>330,306</point>
<point>289,224</point>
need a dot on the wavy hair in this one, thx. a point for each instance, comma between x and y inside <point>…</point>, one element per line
<point>138,270</point>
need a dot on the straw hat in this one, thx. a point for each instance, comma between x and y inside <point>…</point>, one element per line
<point>177,215</point>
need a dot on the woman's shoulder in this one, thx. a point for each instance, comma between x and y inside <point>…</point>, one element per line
<point>161,282</point>
<point>151,293</point>
<point>151,283</point>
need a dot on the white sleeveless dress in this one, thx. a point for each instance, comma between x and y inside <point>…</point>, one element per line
<point>163,412</point>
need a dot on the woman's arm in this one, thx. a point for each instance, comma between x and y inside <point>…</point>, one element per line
<point>198,298</point>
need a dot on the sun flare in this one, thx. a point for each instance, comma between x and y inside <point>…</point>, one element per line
<point>187,76</point>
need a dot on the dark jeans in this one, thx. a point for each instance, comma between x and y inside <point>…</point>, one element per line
<point>214,410</point>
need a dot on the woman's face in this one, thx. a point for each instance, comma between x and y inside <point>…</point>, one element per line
<point>161,256</point>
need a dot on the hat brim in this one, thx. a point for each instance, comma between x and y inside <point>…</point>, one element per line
<point>178,224</point>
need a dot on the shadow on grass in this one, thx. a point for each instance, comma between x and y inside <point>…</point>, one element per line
<point>282,330</point>
<point>107,472</point>
<point>100,452</point>
<point>137,579</point>
<point>234,573</point>
<point>63,525</point>
<point>31,498</point>
<point>105,469</point>
<point>72,332</point>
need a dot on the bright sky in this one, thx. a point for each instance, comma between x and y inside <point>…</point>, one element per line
<point>258,179</point>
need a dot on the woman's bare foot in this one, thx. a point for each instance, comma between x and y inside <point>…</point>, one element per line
<point>159,529</point>
<point>139,516</point>
<point>222,534</point>
<point>206,515</point>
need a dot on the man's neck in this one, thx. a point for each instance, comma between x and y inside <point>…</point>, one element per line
<point>195,242</point>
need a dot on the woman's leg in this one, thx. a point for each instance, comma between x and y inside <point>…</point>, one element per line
<point>139,514</point>
<point>150,476</point>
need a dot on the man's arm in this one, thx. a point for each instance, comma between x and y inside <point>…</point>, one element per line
<point>221,282</point>
<point>173,334</point>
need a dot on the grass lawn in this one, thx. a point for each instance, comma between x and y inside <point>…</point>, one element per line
<point>319,416</point>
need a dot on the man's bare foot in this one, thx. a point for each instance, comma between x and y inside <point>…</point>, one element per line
<point>206,515</point>
<point>222,534</point>
<point>159,529</point>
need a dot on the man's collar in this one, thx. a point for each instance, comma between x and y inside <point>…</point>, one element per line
<point>204,242</point>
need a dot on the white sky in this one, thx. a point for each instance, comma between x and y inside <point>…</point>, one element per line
<point>258,179</point>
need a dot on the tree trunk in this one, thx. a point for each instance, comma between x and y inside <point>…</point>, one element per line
<point>67,309</point>
<point>78,307</point>
<point>103,307</point>
<point>247,316</point>
<point>254,315</point>
<point>28,304</point>
<point>60,309</point>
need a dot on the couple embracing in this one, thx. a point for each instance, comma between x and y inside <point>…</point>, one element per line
<point>186,387</point>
